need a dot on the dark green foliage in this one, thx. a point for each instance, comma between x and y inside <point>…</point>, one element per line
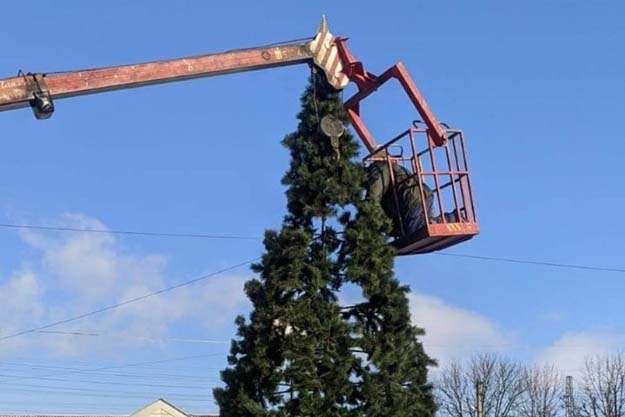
<point>293,356</point>
<point>392,373</point>
<point>300,353</point>
<point>317,182</point>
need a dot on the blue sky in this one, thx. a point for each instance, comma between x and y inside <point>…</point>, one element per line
<point>536,86</point>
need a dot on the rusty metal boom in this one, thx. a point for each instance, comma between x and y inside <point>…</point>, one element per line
<point>18,91</point>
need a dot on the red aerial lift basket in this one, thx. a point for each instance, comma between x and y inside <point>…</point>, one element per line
<point>443,169</point>
<point>434,154</point>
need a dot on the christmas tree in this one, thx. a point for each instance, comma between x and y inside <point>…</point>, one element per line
<point>300,352</point>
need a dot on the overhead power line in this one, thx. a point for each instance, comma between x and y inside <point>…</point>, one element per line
<point>126,376</point>
<point>127,336</point>
<point>437,346</point>
<point>532,262</point>
<point>147,396</point>
<point>125,232</point>
<point>258,238</point>
<point>126,302</point>
<point>101,382</point>
<point>91,371</point>
<point>81,389</point>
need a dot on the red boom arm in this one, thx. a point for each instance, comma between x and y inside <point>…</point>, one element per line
<point>324,50</point>
<point>18,91</point>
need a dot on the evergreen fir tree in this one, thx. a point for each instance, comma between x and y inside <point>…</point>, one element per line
<point>391,376</point>
<point>300,353</point>
<point>293,356</point>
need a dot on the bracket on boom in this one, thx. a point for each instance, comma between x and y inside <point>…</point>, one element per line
<point>41,103</point>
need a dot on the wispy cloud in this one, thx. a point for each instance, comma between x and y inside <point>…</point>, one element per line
<point>74,273</point>
<point>453,332</point>
<point>20,300</point>
<point>569,352</point>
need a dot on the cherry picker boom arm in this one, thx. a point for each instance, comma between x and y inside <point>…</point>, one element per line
<point>18,91</point>
<point>324,50</point>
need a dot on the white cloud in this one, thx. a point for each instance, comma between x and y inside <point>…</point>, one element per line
<point>86,271</point>
<point>20,302</point>
<point>92,265</point>
<point>452,331</point>
<point>224,294</point>
<point>19,296</point>
<point>568,353</point>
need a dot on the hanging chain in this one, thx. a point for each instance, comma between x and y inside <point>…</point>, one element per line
<point>313,71</point>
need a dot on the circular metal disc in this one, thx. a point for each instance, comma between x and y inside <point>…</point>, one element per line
<point>331,126</point>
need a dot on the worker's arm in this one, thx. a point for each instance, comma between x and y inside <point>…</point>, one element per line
<point>377,180</point>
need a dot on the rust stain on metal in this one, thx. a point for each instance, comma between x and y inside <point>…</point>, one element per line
<point>14,92</point>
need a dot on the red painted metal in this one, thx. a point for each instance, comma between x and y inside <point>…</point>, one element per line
<point>435,235</point>
<point>368,83</point>
<point>438,233</point>
<point>16,92</point>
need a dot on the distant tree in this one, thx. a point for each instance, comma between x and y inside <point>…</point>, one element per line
<point>455,392</point>
<point>543,392</point>
<point>603,387</point>
<point>503,387</point>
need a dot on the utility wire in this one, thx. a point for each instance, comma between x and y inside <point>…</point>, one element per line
<point>100,382</point>
<point>125,365</point>
<point>124,232</point>
<point>512,346</point>
<point>73,389</point>
<point>99,371</point>
<point>531,262</point>
<point>144,377</point>
<point>100,395</point>
<point>124,303</point>
<point>76,405</point>
<point>80,365</point>
<point>158,361</point>
<point>124,336</point>
<point>239,237</point>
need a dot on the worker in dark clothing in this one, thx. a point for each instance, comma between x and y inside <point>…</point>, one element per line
<point>411,209</point>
